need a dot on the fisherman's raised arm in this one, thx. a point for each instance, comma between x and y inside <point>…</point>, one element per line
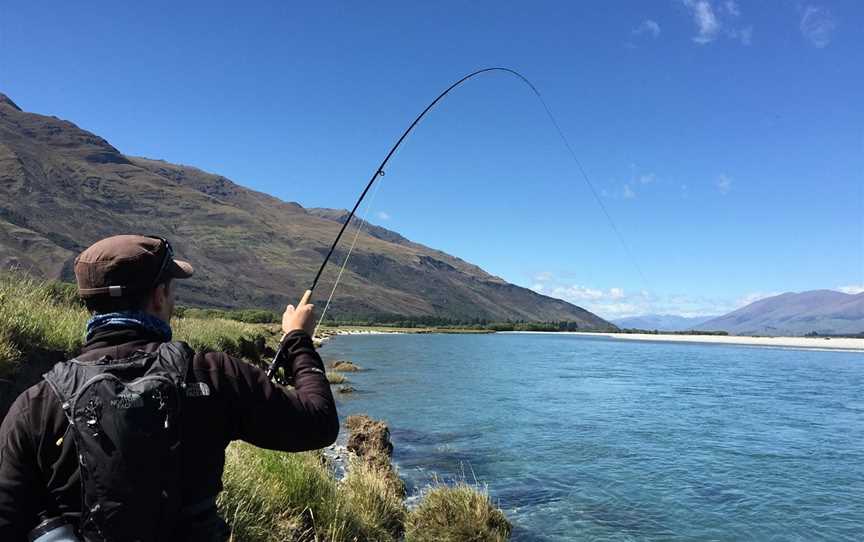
<point>271,416</point>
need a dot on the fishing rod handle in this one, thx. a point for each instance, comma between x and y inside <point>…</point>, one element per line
<point>303,301</point>
<point>271,371</point>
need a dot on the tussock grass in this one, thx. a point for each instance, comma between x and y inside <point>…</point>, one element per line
<point>272,496</point>
<point>345,367</point>
<point>376,496</point>
<point>336,378</point>
<point>460,512</point>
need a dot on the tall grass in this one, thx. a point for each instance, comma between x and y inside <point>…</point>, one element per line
<point>43,315</point>
<point>270,496</point>
<point>249,341</point>
<point>35,315</point>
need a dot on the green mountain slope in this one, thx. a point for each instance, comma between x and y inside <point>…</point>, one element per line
<point>62,188</point>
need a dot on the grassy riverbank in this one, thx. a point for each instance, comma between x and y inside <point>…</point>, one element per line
<point>268,496</point>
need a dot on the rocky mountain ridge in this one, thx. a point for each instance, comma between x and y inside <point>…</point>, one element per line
<point>62,188</point>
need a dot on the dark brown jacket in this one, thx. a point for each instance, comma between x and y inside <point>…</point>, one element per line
<point>233,401</point>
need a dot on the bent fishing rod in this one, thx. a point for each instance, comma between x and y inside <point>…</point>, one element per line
<point>379,172</point>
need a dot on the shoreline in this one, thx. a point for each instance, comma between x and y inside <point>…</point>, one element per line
<point>804,343</point>
<point>832,344</point>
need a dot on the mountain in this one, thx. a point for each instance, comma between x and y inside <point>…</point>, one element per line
<point>820,311</point>
<point>62,188</point>
<point>662,322</point>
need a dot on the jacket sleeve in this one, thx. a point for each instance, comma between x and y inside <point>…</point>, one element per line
<point>271,416</point>
<point>19,475</point>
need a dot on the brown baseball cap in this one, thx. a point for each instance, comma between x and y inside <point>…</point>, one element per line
<point>124,264</point>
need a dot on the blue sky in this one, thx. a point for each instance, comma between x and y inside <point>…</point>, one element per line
<point>726,138</point>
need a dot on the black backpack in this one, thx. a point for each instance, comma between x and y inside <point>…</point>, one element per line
<point>124,416</point>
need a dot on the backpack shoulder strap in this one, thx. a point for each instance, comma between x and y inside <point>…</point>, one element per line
<point>174,358</point>
<point>64,379</point>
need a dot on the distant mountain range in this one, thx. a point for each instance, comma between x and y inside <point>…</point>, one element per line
<point>62,188</point>
<point>819,311</point>
<point>662,322</point>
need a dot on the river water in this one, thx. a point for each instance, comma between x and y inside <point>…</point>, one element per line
<point>584,438</point>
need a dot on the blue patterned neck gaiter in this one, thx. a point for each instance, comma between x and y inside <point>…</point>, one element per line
<point>128,320</point>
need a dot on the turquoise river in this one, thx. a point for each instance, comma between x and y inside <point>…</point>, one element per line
<point>585,438</point>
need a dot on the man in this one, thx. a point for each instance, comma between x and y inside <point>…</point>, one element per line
<point>128,283</point>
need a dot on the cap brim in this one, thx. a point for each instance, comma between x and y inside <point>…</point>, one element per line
<point>178,269</point>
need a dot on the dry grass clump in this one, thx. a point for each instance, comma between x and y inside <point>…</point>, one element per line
<point>460,512</point>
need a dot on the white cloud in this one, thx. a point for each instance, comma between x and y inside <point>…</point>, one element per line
<point>724,184</point>
<point>628,192</point>
<point>616,302</point>
<point>706,21</point>
<point>648,28</point>
<point>383,216</point>
<point>817,25</point>
<point>713,23</point>
<point>616,293</point>
<point>852,289</point>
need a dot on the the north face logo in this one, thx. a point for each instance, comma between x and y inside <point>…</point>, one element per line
<point>127,400</point>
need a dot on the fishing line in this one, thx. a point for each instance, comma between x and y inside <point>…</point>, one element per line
<point>363,221</point>
<point>590,185</point>
<point>379,171</point>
